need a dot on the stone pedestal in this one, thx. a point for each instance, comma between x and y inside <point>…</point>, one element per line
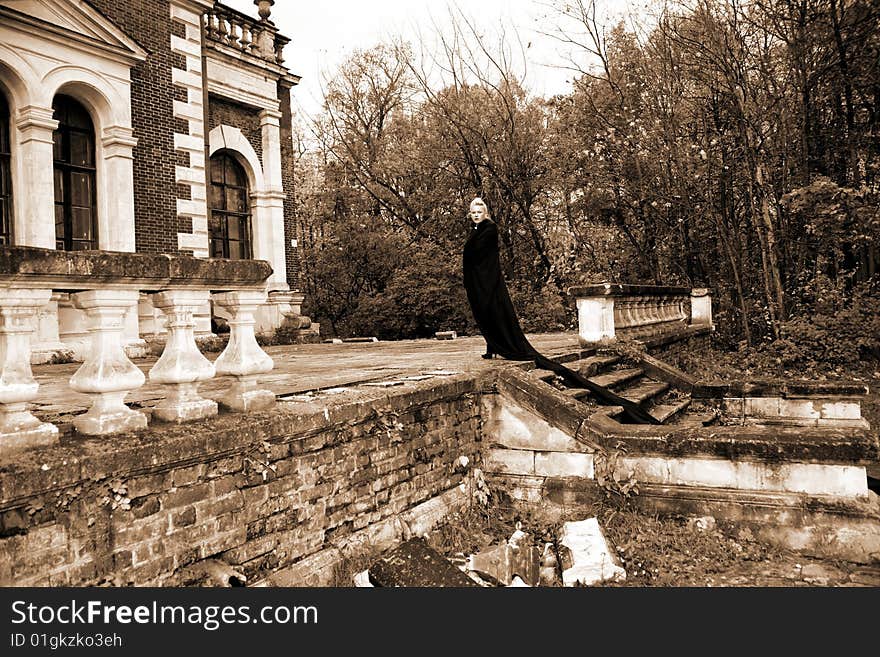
<point>107,375</point>
<point>182,366</point>
<point>19,429</point>
<point>243,358</point>
<point>701,307</point>
<point>595,319</point>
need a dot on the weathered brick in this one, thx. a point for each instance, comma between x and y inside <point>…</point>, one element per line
<point>187,495</point>
<point>186,476</point>
<point>184,518</point>
<point>215,507</point>
<point>142,507</point>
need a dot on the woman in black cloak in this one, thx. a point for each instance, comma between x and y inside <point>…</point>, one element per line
<point>496,317</point>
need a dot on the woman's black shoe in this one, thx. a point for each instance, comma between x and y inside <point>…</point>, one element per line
<point>488,354</point>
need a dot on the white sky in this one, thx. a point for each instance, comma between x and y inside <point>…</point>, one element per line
<point>325,32</point>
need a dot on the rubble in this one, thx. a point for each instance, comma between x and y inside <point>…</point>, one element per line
<point>415,563</point>
<point>585,557</point>
<point>702,524</point>
<point>502,563</point>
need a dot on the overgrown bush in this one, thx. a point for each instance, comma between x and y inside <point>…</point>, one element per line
<point>542,311</point>
<point>836,327</point>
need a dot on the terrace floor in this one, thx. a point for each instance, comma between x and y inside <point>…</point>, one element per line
<point>301,368</point>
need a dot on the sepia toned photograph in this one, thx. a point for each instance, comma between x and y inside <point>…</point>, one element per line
<point>352,294</point>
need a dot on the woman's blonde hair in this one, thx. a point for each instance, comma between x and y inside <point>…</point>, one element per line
<point>478,199</point>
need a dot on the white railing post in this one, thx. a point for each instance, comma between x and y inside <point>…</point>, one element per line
<point>19,428</point>
<point>182,366</point>
<point>107,374</point>
<point>243,358</point>
<point>596,319</point>
<point>701,307</point>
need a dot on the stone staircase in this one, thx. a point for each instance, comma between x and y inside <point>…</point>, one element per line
<point>667,405</point>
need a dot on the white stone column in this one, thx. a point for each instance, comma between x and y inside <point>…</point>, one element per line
<point>272,197</point>
<point>595,319</point>
<point>182,366</point>
<point>35,193</point>
<point>268,233</point>
<point>107,374</point>
<point>116,223</point>
<point>19,429</point>
<point>701,307</point>
<point>243,358</point>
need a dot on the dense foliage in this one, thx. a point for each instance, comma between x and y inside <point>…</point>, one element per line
<point>731,143</point>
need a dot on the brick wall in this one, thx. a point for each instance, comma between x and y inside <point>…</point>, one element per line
<point>260,491</point>
<point>155,194</point>
<point>288,177</point>
<point>246,119</point>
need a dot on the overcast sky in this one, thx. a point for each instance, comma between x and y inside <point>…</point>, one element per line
<point>325,32</point>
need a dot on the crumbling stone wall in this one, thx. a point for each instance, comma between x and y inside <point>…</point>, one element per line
<point>259,491</point>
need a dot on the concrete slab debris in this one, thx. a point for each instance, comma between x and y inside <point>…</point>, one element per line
<point>585,557</point>
<point>415,563</point>
<point>502,563</point>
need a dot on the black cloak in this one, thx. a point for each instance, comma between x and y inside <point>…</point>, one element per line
<point>496,317</point>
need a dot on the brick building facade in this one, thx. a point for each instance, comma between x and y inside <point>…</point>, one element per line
<point>156,126</point>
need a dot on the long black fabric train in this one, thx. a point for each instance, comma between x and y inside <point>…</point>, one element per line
<point>496,317</point>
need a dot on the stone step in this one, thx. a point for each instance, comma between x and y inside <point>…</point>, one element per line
<point>697,419</point>
<point>617,377</point>
<point>593,365</point>
<point>541,375</point>
<point>645,391</point>
<point>665,412</point>
<point>576,393</point>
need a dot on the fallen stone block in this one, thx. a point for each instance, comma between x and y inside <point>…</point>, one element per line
<point>362,579</point>
<point>502,563</point>
<point>445,335</point>
<point>585,557</point>
<point>702,524</point>
<point>415,563</point>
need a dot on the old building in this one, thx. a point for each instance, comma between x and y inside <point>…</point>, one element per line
<point>152,126</point>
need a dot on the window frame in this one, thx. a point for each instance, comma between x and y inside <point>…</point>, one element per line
<point>222,161</point>
<point>7,208</point>
<point>66,167</point>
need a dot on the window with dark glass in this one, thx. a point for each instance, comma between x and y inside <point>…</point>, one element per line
<point>76,217</point>
<point>229,227</point>
<point>5,175</point>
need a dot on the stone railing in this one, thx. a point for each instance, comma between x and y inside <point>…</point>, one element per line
<point>237,30</point>
<point>609,310</point>
<point>105,285</point>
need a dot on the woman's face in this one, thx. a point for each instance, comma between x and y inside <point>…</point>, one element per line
<point>477,212</point>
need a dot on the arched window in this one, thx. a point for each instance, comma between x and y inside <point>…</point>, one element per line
<point>5,174</point>
<point>76,216</point>
<point>229,228</point>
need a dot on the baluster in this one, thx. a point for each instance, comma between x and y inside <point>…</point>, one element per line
<point>211,25</point>
<point>243,358</point>
<point>19,428</point>
<point>222,31</point>
<point>107,375</point>
<point>182,366</point>
<point>254,47</point>
<point>245,37</point>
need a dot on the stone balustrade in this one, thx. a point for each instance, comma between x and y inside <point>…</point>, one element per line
<point>105,285</point>
<point>260,38</point>
<point>608,311</point>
